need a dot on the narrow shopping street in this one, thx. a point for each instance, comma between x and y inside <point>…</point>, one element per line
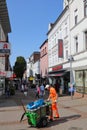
<point>73,112</point>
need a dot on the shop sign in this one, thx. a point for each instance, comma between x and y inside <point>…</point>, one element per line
<point>12,76</point>
<point>2,73</point>
<point>59,67</point>
<point>4,47</point>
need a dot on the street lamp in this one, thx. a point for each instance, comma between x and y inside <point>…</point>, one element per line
<point>71,59</point>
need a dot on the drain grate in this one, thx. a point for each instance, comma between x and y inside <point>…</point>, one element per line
<point>75,128</point>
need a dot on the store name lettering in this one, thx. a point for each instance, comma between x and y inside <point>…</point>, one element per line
<point>57,68</point>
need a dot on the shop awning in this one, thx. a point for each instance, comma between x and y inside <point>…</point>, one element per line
<point>12,76</point>
<point>56,75</point>
<point>59,73</point>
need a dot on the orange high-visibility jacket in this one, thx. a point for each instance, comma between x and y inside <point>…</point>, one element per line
<point>53,94</point>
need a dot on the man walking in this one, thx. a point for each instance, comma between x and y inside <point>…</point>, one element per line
<point>53,98</point>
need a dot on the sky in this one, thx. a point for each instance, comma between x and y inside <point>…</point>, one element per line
<point>29,20</point>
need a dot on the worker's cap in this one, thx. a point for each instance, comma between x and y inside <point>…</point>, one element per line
<point>47,86</point>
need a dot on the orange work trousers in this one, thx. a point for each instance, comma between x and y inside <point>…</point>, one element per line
<point>54,111</point>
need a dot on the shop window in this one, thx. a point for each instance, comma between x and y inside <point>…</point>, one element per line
<point>1,83</point>
<point>79,78</point>
<point>85,81</point>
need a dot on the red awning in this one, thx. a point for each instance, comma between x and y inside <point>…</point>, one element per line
<point>12,76</point>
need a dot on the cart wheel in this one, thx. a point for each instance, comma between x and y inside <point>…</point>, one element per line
<point>29,122</point>
<point>43,122</point>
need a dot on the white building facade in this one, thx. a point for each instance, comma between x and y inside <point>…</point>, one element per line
<point>59,48</point>
<point>33,66</point>
<point>71,29</point>
<point>30,66</point>
<point>36,67</point>
<point>78,41</point>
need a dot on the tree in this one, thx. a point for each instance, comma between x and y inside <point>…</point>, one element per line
<point>19,67</point>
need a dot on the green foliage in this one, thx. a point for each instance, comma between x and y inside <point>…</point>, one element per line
<point>19,67</point>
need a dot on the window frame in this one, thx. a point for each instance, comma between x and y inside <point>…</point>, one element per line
<point>85,33</point>
<point>85,8</point>
<point>76,44</point>
<point>76,16</point>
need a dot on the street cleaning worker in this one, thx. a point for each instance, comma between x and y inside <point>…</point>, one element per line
<point>53,96</point>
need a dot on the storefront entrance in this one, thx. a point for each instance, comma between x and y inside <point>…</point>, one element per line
<point>60,82</point>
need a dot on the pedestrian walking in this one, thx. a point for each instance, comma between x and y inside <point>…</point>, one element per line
<point>7,90</point>
<point>53,97</point>
<point>25,90</point>
<point>42,90</point>
<point>22,87</point>
<point>37,91</point>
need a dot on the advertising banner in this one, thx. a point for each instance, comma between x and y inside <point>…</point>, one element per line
<point>60,48</point>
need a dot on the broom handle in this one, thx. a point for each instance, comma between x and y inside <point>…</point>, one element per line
<point>23,106</point>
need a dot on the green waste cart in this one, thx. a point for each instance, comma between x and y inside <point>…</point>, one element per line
<point>38,117</point>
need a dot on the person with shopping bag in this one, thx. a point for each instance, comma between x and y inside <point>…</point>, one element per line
<point>53,97</point>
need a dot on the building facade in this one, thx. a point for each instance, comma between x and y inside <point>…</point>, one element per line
<point>44,61</point>
<point>33,66</point>
<point>67,46</point>
<point>5,49</point>
<point>36,69</point>
<point>78,39</point>
<point>59,49</point>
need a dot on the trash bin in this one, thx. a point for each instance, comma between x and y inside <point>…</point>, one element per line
<point>33,116</point>
<point>37,113</point>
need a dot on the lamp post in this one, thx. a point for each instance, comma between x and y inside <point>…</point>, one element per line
<point>71,75</point>
<point>71,59</point>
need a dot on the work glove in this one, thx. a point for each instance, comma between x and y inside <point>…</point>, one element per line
<point>48,99</point>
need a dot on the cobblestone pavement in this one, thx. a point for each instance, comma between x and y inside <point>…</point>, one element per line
<point>73,113</point>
